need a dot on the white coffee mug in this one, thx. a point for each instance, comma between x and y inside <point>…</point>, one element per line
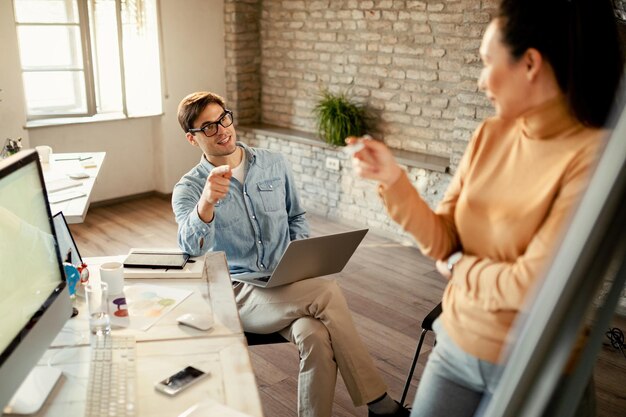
<point>113,274</point>
<point>44,153</point>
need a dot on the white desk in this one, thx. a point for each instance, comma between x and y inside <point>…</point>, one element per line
<point>166,348</point>
<point>62,164</point>
<point>212,295</point>
<point>231,382</point>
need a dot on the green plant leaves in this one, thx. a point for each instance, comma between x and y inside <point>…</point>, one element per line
<point>338,118</point>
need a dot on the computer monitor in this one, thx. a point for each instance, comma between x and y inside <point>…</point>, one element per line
<point>34,300</point>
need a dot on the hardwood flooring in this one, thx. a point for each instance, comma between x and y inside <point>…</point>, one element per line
<point>389,288</point>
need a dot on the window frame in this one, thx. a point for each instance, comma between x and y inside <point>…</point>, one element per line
<point>84,25</point>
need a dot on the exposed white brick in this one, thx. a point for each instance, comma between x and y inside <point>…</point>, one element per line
<point>416,5</point>
<point>399,74</point>
<point>421,75</point>
<point>415,62</point>
<point>357,15</point>
<point>398,107</point>
<point>448,76</point>
<point>440,102</point>
<point>389,15</point>
<point>413,16</point>
<point>383,95</point>
<point>397,118</point>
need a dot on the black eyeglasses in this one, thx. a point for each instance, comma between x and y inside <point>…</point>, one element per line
<point>210,129</point>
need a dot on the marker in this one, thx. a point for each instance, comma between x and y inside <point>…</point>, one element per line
<point>354,148</point>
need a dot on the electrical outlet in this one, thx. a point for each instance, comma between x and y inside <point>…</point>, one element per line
<point>332,164</point>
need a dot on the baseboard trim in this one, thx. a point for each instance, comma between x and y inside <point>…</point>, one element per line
<point>118,200</point>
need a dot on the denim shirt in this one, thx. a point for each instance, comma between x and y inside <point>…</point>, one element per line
<point>256,220</point>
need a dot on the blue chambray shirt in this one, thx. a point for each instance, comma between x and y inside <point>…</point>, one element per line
<point>256,220</point>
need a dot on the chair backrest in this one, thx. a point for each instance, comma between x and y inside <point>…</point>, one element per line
<point>427,323</point>
<point>427,326</point>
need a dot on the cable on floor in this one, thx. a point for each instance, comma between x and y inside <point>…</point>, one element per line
<point>616,338</point>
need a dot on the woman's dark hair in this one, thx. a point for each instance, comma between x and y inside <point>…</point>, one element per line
<point>580,41</point>
<point>191,106</point>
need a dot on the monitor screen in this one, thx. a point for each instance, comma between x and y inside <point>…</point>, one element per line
<point>31,272</point>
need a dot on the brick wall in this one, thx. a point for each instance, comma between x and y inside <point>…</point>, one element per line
<point>414,64</point>
<point>243,58</point>
<point>339,194</point>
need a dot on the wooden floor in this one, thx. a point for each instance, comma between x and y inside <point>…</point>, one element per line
<point>389,288</point>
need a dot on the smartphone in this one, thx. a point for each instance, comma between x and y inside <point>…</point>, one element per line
<point>174,384</point>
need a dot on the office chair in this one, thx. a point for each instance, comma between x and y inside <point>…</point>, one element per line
<point>255,339</point>
<point>427,325</point>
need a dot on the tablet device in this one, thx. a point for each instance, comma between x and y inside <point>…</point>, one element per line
<point>165,260</point>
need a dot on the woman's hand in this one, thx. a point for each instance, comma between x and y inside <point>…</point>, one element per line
<point>374,161</point>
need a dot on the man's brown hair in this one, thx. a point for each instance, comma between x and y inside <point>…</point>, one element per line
<point>191,106</point>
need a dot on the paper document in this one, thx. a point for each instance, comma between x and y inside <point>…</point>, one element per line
<point>59,197</point>
<point>140,306</point>
<point>212,408</point>
<point>61,184</point>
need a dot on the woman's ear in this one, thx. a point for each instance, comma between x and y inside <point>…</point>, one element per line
<point>533,61</point>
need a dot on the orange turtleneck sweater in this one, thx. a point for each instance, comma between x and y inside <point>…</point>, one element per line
<point>513,192</point>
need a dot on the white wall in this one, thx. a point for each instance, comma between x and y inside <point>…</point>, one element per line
<point>193,43</point>
<point>128,168</point>
<point>143,154</point>
<point>12,106</point>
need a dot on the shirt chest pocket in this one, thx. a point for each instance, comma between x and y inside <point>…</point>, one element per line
<point>272,194</point>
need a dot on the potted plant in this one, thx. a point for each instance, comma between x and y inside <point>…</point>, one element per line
<point>338,117</point>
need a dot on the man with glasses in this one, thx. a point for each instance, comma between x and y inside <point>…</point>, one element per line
<point>243,201</point>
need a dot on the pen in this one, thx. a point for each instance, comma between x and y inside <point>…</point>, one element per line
<point>65,198</point>
<point>78,158</point>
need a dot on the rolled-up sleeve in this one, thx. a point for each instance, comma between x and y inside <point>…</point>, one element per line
<point>194,235</point>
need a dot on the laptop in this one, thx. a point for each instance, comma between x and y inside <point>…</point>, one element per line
<point>308,258</point>
<point>67,246</point>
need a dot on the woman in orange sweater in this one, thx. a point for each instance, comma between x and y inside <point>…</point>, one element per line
<point>552,84</point>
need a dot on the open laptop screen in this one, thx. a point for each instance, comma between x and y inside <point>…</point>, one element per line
<point>67,246</point>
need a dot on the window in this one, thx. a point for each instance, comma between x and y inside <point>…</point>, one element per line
<point>89,57</point>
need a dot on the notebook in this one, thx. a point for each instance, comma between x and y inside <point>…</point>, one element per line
<point>156,259</point>
<point>67,247</point>
<point>308,258</point>
<point>192,269</point>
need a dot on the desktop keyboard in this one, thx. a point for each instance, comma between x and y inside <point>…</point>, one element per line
<point>112,377</point>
